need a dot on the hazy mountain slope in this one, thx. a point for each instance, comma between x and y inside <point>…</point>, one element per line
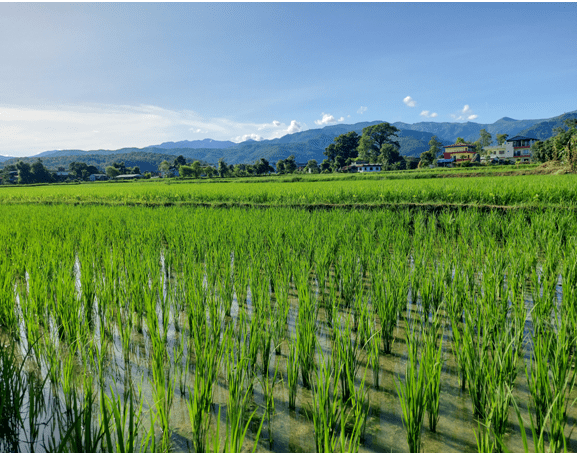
<point>449,131</point>
<point>198,144</point>
<point>544,130</point>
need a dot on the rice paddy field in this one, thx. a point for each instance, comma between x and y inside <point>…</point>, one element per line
<point>518,190</point>
<point>277,329</point>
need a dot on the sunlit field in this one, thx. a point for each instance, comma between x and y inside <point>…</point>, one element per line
<point>279,329</point>
<point>526,190</point>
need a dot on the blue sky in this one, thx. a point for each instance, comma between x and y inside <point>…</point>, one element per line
<point>104,75</point>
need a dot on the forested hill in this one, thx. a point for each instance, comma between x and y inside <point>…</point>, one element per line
<point>545,129</point>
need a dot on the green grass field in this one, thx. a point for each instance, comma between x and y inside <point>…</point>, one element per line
<point>517,190</point>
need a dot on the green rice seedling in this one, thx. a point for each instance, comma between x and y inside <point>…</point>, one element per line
<point>122,421</point>
<point>238,418</point>
<point>537,436</point>
<point>180,354</point>
<point>346,352</point>
<point>292,369</point>
<point>81,434</point>
<point>476,349</point>
<point>241,277</point>
<point>225,287</point>
<point>268,384</point>
<point>412,393</point>
<point>12,394</point>
<point>67,379</point>
<point>8,319</point>
<point>356,419</point>
<point>485,443</point>
<point>306,327</point>
<point>349,276</point>
<point>208,359</point>
<point>433,365</point>
<point>162,383</point>
<point>538,381</point>
<point>374,353</point>
<point>562,382</point>
<point>326,407</point>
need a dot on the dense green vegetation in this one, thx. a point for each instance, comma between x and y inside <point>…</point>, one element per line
<point>526,190</point>
<point>143,329</point>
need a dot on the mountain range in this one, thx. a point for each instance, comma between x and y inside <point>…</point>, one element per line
<point>305,145</point>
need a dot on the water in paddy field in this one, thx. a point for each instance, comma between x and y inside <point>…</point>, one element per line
<point>288,430</point>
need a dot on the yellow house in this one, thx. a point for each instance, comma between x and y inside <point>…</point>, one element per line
<point>461,152</point>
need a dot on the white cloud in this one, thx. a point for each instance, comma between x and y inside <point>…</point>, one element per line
<point>326,120</point>
<point>27,130</point>
<point>246,137</point>
<point>341,119</point>
<point>409,101</point>
<point>362,110</point>
<point>428,114</point>
<point>465,114</point>
<point>294,127</point>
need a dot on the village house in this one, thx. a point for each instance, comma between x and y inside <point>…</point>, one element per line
<point>460,152</point>
<point>518,148</point>
<point>362,167</point>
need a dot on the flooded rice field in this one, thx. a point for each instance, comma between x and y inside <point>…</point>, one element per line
<point>283,331</point>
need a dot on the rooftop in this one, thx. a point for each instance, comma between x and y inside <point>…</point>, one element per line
<point>521,138</point>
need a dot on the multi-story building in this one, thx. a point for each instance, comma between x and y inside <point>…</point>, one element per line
<point>496,152</point>
<point>518,148</point>
<point>460,152</point>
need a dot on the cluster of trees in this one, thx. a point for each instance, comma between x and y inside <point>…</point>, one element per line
<point>116,169</point>
<point>28,173</point>
<point>560,147</point>
<point>377,144</point>
<point>82,170</point>
<point>197,169</point>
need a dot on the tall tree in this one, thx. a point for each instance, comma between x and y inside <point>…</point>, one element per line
<point>290,164</point>
<point>312,167</point>
<point>460,140</point>
<point>374,138</point>
<point>280,167</point>
<point>263,167</point>
<point>112,172</point>
<point>179,161</point>
<point>39,172</point>
<point>428,157</point>
<point>485,138</point>
<point>164,167</point>
<point>24,172</point>
<point>501,138</point>
<point>222,168</point>
<point>344,146</point>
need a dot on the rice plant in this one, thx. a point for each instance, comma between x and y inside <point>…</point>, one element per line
<point>412,392</point>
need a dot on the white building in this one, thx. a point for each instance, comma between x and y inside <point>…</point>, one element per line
<point>496,151</point>
<point>364,167</point>
<point>518,148</point>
